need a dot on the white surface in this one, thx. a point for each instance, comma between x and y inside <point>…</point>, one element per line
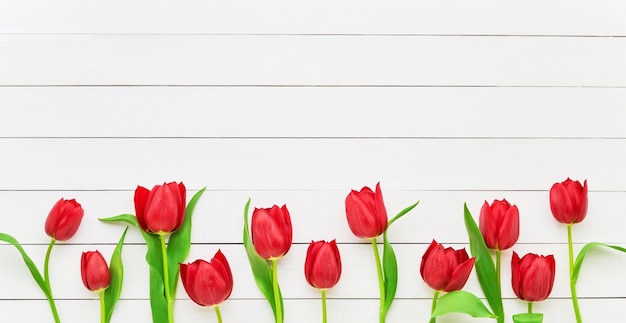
<point>441,101</point>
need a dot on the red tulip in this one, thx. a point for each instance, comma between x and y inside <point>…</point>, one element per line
<point>445,269</point>
<point>499,224</point>
<point>366,213</point>
<point>94,271</point>
<point>568,201</point>
<point>162,209</point>
<point>271,231</point>
<point>208,283</point>
<point>533,276</point>
<point>64,219</point>
<point>322,267</point>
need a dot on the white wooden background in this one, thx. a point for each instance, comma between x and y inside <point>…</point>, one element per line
<point>298,102</point>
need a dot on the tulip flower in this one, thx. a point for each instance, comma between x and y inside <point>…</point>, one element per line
<point>94,271</point>
<point>322,267</point>
<point>271,231</point>
<point>499,226</point>
<point>366,212</point>
<point>61,224</point>
<point>568,201</point>
<point>532,277</point>
<point>271,239</point>
<point>64,219</point>
<point>445,269</point>
<point>208,283</point>
<point>162,209</point>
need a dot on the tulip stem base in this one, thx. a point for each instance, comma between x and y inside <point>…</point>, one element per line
<point>498,266</point>
<point>46,278</point>
<point>434,305</point>
<point>530,307</point>
<point>572,285</point>
<point>102,307</point>
<point>381,281</point>
<point>323,306</point>
<point>279,310</point>
<point>218,314</point>
<point>166,281</point>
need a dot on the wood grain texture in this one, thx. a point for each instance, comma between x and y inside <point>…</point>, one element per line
<point>298,102</point>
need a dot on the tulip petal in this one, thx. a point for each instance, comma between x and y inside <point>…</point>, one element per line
<point>435,268</point>
<point>508,232</point>
<point>460,275</point>
<point>141,197</point>
<point>488,226</point>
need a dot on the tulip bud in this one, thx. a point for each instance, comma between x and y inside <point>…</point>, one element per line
<point>445,269</point>
<point>322,268</point>
<point>94,271</point>
<point>532,276</point>
<point>366,213</point>
<point>271,231</point>
<point>162,209</point>
<point>208,283</point>
<point>64,219</point>
<point>568,201</point>
<point>499,224</point>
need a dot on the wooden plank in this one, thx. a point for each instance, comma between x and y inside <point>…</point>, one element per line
<point>289,164</point>
<point>321,112</point>
<point>486,17</point>
<point>319,215</point>
<point>306,311</point>
<point>28,60</point>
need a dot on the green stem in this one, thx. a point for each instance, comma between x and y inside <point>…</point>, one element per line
<point>530,307</point>
<point>381,282</point>
<point>432,307</point>
<point>166,281</point>
<point>102,307</point>
<point>46,278</point>
<point>498,264</point>
<point>218,314</point>
<point>323,306</point>
<point>572,285</point>
<point>279,310</point>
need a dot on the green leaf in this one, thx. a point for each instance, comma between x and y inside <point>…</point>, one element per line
<point>583,252</point>
<point>261,269</point>
<point>528,318</point>
<point>34,271</point>
<point>461,302</point>
<point>180,242</point>
<point>158,302</point>
<point>112,293</point>
<point>390,263</point>
<point>123,218</point>
<point>485,268</point>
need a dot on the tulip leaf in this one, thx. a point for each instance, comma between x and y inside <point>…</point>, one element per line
<point>485,268</point>
<point>261,269</point>
<point>124,218</point>
<point>112,293</point>
<point>528,318</point>
<point>583,252</point>
<point>154,258</point>
<point>180,242</point>
<point>29,263</point>
<point>390,263</point>
<point>461,302</point>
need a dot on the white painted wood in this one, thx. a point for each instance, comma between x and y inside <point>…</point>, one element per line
<point>311,60</point>
<point>486,17</point>
<point>312,164</point>
<point>443,101</point>
<point>312,112</point>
